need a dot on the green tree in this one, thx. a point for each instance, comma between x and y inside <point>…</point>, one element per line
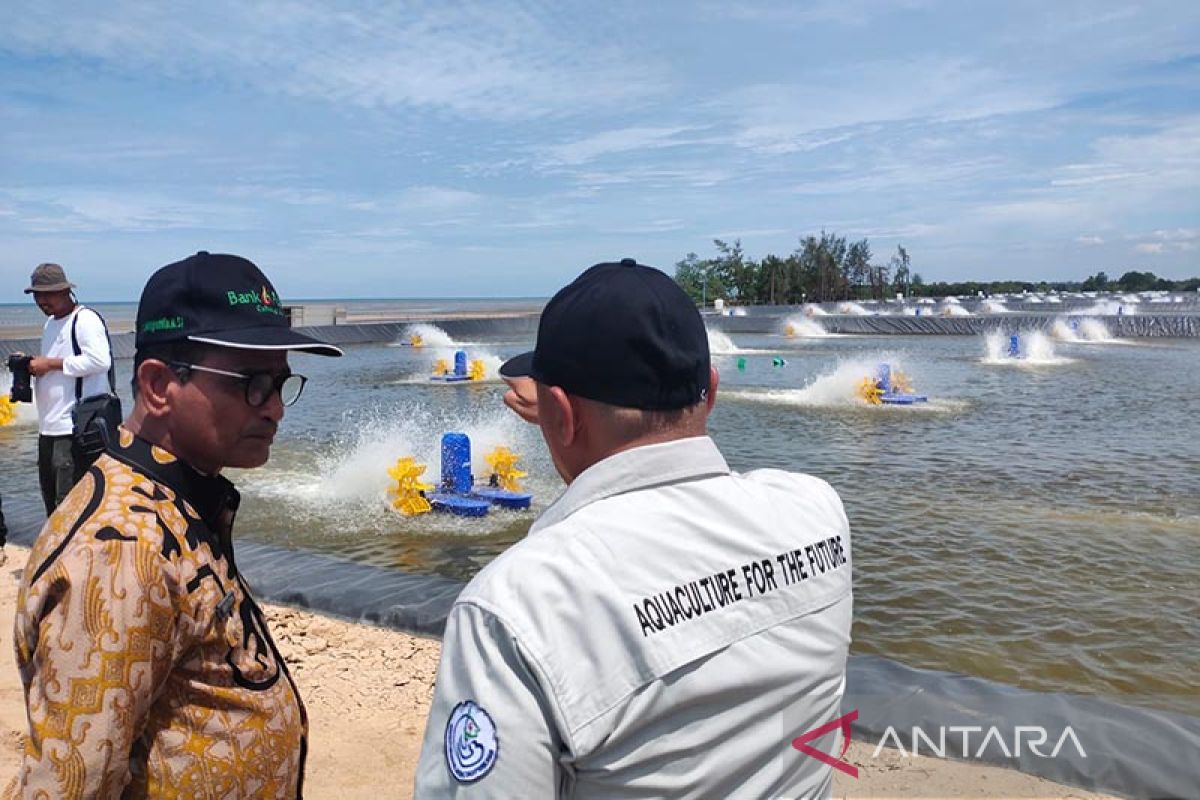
<point>858,266</point>
<point>1096,283</point>
<point>696,277</point>
<point>736,274</point>
<point>1134,281</point>
<point>900,263</point>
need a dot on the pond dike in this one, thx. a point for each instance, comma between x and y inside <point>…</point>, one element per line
<point>1083,741</point>
<point>757,320</point>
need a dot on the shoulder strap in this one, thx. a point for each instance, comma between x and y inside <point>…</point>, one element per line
<point>112,361</point>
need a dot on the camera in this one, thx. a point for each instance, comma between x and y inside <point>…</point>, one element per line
<point>22,390</point>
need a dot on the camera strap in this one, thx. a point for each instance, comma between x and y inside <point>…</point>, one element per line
<point>112,361</point>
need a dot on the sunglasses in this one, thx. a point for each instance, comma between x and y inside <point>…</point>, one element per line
<point>259,386</point>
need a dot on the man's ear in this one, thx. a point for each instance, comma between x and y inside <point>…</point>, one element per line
<point>714,380</point>
<point>154,379</point>
<point>563,420</point>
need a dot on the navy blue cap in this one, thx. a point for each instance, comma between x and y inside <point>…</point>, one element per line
<point>222,300</point>
<point>623,334</point>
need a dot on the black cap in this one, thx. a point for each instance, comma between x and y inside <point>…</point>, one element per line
<point>623,334</point>
<point>222,300</point>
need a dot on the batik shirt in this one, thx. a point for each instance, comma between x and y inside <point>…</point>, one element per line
<point>147,665</point>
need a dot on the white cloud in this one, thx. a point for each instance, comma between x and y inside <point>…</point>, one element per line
<point>499,61</point>
<point>68,210</point>
<point>437,198</point>
<point>796,117</point>
<point>1089,240</point>
<point>1151,248</point>
<point>614,141</point>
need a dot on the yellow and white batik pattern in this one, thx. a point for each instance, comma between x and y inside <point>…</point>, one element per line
<point>148,668</point>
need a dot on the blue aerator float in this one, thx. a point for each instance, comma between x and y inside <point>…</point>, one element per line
<point>458,494</point>
<point>462,370</point>
<point>889,388</point>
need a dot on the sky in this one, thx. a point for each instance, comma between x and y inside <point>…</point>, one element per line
<point>441,149</point>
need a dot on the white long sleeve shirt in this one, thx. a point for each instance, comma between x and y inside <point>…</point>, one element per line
<point>666,629</point>
<point>55,391</point>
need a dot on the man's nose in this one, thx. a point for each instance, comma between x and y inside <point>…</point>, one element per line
<point>273,408</point>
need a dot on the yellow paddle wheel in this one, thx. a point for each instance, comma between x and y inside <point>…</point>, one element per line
<point>408,494</point>
<point>869,391</point>
<point>8,411</point>
<point>505,474</point>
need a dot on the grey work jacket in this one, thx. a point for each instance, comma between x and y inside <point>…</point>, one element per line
<point>665,630</point>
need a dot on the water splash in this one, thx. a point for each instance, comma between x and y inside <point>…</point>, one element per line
<point>839,389</point>
<point>814,310</point>
<point>719,343</point>
<point>853,309</point>
<point>953,310</point>
<point>1104,308</point>
<point>431,336</point>
<point>343,483</point>
<point>1082,331</point>
<point>1036,349</point>
<point>994,307</point>
<point>804,328</point>
<point>25,413</point>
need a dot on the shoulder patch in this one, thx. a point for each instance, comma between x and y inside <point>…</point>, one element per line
<point>472,743</point>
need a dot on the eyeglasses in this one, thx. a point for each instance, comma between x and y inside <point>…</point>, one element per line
<point>259,385</point>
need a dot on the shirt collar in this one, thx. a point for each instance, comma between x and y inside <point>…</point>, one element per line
<point>210,495</point>
<point>638,468</point>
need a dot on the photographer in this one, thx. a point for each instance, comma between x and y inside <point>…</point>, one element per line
<point>74,363</point>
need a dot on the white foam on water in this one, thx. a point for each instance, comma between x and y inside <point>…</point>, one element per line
<point>348,479</point>
<point>1063,332</point>
<point>953,310</point>
<point>1036,349</point>
<point>1093,330</point>
<point>1103,308</point>
<point>1085,331</point>
<point>804,328</point>
<point>853,309</point>
<point>719,343</point>
<point>814,310</point>
<point>839,389</point>
<point>994,307</point>
<point>25,414</point>
<point>431,336</point>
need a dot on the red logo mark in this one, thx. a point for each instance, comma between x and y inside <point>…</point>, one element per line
<point>801,743</point>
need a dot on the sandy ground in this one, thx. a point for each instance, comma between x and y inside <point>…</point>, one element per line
<point>368,690</point>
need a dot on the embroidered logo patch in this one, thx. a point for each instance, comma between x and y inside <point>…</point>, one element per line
<point>472,745</point>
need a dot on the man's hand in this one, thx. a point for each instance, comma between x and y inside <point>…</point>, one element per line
<point>521,397</point>
<point>40,365</point>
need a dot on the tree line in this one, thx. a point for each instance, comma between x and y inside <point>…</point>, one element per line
<point>828,268</point>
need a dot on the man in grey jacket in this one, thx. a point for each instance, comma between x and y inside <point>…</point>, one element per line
<point>668,626</point>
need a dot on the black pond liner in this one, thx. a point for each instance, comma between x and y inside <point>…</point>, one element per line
<point>1114,748</point>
